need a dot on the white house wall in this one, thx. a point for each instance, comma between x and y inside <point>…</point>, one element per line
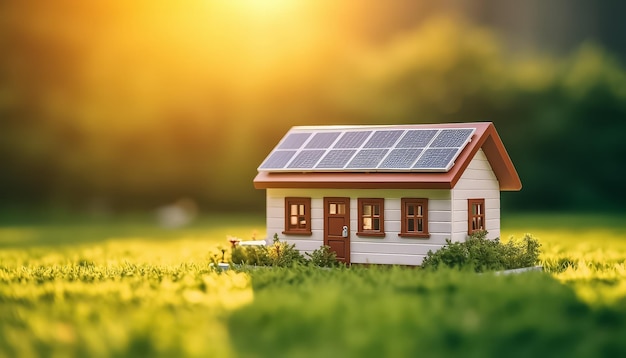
<point>390,249</point>
<point>477,182</point>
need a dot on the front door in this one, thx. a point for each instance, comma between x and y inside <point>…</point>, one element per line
<point>337,227</point>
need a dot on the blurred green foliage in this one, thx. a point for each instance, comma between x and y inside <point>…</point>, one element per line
<point>561,119</point>
<point>126,107</point>
<point>374,312</point>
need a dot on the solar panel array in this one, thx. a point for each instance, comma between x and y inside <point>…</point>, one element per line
<point>367,149</point>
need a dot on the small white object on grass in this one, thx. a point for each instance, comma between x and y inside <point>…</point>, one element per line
<point>178,214</point>
<point>253,243</point>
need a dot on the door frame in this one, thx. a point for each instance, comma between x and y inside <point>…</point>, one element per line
<point>345,200</point>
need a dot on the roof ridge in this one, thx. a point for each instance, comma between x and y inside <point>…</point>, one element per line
<point>403,125</point>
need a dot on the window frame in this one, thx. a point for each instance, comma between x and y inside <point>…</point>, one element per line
<point>306,230</point>
<point>404,218</point>
<point>471,216</point>
<point>380,202</point>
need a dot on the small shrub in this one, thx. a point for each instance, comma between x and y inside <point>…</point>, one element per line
<point>282,254</point>
<point>323,257</point>
<point>250,255</point>
<point>482,254</point>
<point>524,253</point>
<point>238,255</point>
<point>453,254</point>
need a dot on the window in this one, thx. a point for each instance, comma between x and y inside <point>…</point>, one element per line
<point>414,215</point>
<point>371,217</point>
<point>475,215</point>
<point>297,216</point>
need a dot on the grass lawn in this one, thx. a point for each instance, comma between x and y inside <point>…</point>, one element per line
<point>587,251</point>
<point>128,288</point>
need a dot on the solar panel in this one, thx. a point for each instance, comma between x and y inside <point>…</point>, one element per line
<point>436,158</point>
<point>400,158</point>
<point>368,149</point>
<point>417,138</point>
<point>336,159</point>
<point>278,159</point>
<point>367,158</point>
<point>383,139</point>
<point>322,140</point>
<point>452,138</point>
<point>306,159</point>
<point>294,140</point>
<point>352,139</point>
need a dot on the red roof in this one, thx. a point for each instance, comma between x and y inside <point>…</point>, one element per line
<point>485,137</point>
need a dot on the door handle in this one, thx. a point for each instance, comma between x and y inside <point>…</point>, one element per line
<point>344,231</point>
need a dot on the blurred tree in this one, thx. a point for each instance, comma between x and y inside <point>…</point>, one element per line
<point>137,104</point>
<point>562,120</point>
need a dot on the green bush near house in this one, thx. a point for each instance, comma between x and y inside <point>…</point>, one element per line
<point>250,255</point>
<point>280,253</point>
<point>323,257</point>
<point>481,254</point>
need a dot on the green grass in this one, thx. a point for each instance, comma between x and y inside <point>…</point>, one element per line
<point>587,251</point>
<point>118,287</point>
<point>396,312</point>
<point>72,231</point>
<point>128,288</point>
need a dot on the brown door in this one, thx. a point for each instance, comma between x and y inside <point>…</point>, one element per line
<point>337,227</point>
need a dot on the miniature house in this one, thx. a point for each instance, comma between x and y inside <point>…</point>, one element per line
<point>385,194</point>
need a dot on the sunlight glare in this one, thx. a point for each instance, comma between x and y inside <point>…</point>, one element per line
<point>265,7</point>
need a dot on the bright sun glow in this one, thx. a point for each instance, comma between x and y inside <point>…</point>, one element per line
<point>266,7</point>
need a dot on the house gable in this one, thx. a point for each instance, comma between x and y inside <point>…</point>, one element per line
<point>477,182</point>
